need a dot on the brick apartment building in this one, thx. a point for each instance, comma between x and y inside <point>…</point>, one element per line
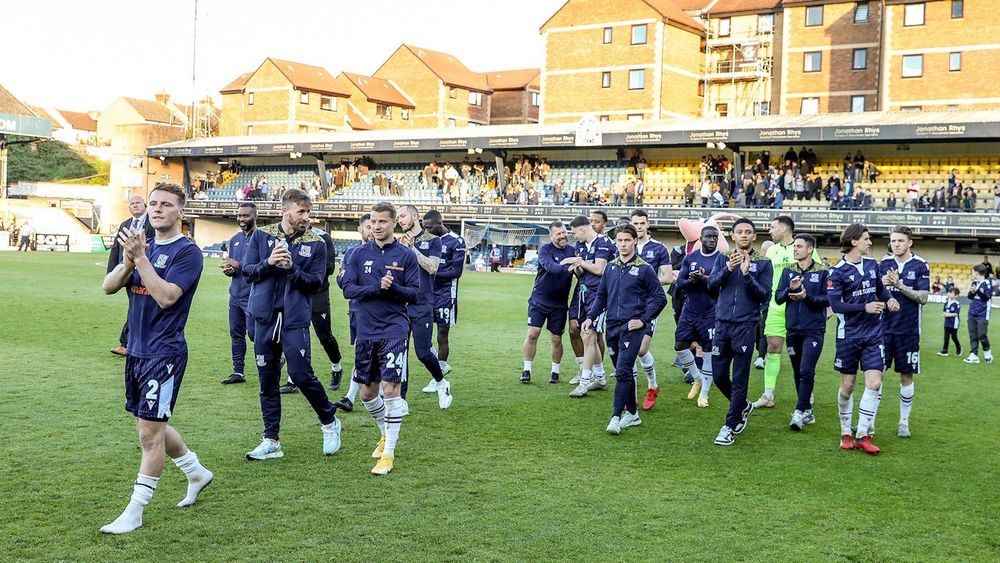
<point>516,95</point>
<point>621,59</point>
<point>284,97</point>
<point>376,103</point>
<point>654,59</point>
<point>446,93</point>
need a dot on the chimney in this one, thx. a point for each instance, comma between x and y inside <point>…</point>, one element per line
<point>163,97</point>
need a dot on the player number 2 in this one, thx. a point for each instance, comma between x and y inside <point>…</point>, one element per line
<point>154,387</point>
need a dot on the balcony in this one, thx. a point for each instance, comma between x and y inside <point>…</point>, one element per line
<point>728,70</point>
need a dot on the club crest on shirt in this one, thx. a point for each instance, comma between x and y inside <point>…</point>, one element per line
<point>305,251</point>
<point>634,270</point>
<point>161,261</point>
<point>911,275</point>
<point>814,278</point>
<point>424,245</point>
<point>261,362</point>
<point>753,267</point>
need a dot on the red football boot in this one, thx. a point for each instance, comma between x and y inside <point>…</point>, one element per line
<point>846,442</point>
<point>867,445</point>
<point>650,401</point>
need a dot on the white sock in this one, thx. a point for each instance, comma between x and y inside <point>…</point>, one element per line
<point>845,404</point>
<point>871,427</point>
<point>555,368</point>
<point>393,420</point>
<point>337,366</point>
<point>586,376</point>
<point>198,477</point>
<point>866,411</point>
<point>352,391</point>
<point>377,407</point>
<point>905,402</point>
<point>598,371</point>
<point>706,376</point>
<point>131,517</point>
<point>649,366</point>
<point>579,362</point>
<point>769,393</point>
<point>527,366</point>
<point>687,360</point>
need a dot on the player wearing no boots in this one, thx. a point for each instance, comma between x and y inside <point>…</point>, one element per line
<point>161,277</point>
<point>286,263</point>
<point>802,293</point>
<point>654,253</point>
<point>743,280</point>
<point>382,278</point>
<point>908,279</point>
<point>548,302</point>
<point>239,291</point>
<point>630,297</point>
<point>858,298</point>
<point>697,320</point>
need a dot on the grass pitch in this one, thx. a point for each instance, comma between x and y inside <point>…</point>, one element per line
<point>510,472</point>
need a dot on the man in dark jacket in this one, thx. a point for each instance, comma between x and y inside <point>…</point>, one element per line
<point>137,207</point>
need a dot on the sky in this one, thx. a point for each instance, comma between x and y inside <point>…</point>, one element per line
<point>82,55</point>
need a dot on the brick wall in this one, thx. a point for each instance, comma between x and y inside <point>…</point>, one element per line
<point>231,117</point>
<point>679,90</point>
<point>835,40</point>
<point>940,31</point>
<point>422,85</point>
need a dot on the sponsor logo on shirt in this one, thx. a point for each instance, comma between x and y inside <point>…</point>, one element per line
<point>395,266</point>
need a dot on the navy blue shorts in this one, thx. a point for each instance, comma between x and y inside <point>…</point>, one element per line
<point>903,352</point>
<point>852,352</point>
<point>381,360</point>
<point>701,331</point>
<point>446,314</point>
<point>579,306</point>
<point>152,385</point>
<point>552,317</point>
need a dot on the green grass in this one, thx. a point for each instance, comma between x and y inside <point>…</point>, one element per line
<point>510,472</point>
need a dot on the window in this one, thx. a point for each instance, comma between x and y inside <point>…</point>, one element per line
<point>701,89</point>
<point>605,80</point>
<point>953,107</point>
<point>762,108</point>
<point>636,79</point>
<point>250,99</point>
<point>857,104</point>
<point>451,122</point>
<point>861,12</point>
<point>639,34</point>
<point>955,62</point>
<point>957,9</point>
<point>383,111</point>
<point>303,128</point>
<point>452,92</point>
<point>722,110</point>
<point>635,117</point>
<point>604,118</point>
<point>814,16</point>
<point>725,27</point>
<point>913,66</point>
<point>536,99</point>
<point>913,14</point>
<point>810,106</point>
<point>911,108</point>
<point>812,61</point>
<point>404,114</point>
<point>765,23</point>
<point>249,130</point>
<point>860,59</point>
<point>303,97</point>
<point>328,103</point>
<point>475,98</point>
<point>607,35</point>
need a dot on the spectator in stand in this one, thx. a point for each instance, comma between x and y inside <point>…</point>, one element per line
<point>557,191</point>
<point>617,192</point>
<point>953,180</point>
<point>969,201</point>
<point>871,171</point>
<point>640,192</point>
<point>778,197</point>
<point>890,202</point>
<point>948,284</point>
<point>989,267</point>
<point>939,202</point>
<point>804,161</point>
<point>924,204</point>
<point>996,196</point>
<point>718,199</point>
<point>706,191</point>
<point>689,195</point>
<point>859,166</point>
<point>630,193</point>
<point>848,167</point>
<point>532,196</point>
<point>954,202</point>
<point>937,287</point>
<point>791,156</point>
<point>760,194</point>
<point>912,196</point>
<point>833,191</point>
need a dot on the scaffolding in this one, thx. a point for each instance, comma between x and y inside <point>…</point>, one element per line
<point>743,60</point>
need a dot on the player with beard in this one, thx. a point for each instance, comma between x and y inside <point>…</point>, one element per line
<point>549,296</point>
